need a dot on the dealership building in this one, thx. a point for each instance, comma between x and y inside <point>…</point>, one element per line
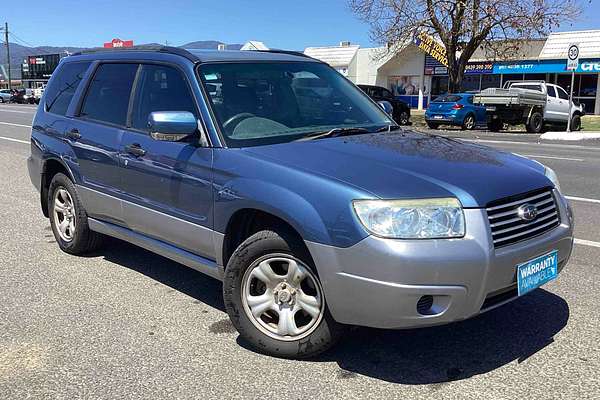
<point>417,77</point>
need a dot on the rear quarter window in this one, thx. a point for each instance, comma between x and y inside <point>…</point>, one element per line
<point>62,87</point>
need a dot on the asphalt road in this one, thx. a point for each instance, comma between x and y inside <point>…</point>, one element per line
<point>124,323</point>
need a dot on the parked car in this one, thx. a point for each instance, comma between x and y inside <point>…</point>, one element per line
<point>455,109</point>
<point>313,217</point>
<point>401,110</point>
<point>37,94</point>
<point>536,104</point>
<point>24,96</point>
<point>5,95</point>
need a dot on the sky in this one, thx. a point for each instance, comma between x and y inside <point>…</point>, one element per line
<point>285,24</point>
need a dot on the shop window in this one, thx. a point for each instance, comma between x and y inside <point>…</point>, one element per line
<point>471,83</point>
<point>589,104</point>
<point>511,77</point>
<point>490,81</point>
<point>439,85</point>
<point>588,85</point>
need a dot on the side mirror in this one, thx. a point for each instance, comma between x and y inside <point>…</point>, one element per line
<point>386,106</point>
<point>172,126</point>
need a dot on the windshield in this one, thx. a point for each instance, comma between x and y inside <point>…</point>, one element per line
<point>276,102</point>
<point>447,98</point>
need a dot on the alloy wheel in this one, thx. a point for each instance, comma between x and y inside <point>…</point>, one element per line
<point>64,214</point>
<point>282,297</point>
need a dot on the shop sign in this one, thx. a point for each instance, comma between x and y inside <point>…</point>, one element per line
<point>542,67</point>
<point>479,68</point>
<point>116,43</point>
<point>429,45</point>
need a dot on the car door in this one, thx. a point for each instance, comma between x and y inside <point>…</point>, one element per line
<point>552,110</point>
<point>95,134</point>
<point>562,110</point>
<point>167,185</point>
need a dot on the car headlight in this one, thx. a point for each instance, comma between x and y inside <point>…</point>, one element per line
<point>550,174</point>
<point>412,219</point>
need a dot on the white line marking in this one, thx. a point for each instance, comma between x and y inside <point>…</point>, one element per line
<point>587,243</point>
<point>558,146</point>
<point>14,140</point>
<point>15,111</point>
<point>553,157</point>
<point>585,199</point>
<point>19,125</point>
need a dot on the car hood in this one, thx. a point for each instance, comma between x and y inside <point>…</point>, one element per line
<point>405,164</point>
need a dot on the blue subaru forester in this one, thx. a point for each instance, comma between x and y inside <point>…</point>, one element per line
<point>270,171</point>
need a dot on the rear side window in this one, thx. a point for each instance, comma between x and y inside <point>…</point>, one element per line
<point>63,86</point>
<point>447,98</point>
<point>107,98</point>
<point>160,88</point>
<point>551,91</point>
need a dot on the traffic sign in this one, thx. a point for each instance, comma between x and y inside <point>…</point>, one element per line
<point>573,57</point>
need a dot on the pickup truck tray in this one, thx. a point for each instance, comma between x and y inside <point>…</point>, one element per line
<point>510,97</point>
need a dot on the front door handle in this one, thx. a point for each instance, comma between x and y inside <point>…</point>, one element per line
<point>135,149</point>
<point>74,134</point>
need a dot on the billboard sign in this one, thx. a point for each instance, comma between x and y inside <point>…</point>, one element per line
<point>432,47</point>
<point>117,43</point>
<point>39,67</point>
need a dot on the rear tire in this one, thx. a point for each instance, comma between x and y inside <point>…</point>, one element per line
<point>535,123</point>
<point>495,125</point>
<point>69,219</point>
<point>274,266</point>
<point>404,118</point>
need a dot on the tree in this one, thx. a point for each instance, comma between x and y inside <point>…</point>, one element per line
<point>462,26</point>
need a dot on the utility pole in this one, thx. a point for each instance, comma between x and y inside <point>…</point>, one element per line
<point>7,54</point>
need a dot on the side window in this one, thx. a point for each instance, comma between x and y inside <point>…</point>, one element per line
<point>561,93</point>
<point>387,94</point>
<point>551,91</point>
<point>62,88</point>
<point>107,97</point>
<point>161,88</point>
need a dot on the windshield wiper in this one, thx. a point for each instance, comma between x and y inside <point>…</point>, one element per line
<point>335,132</point>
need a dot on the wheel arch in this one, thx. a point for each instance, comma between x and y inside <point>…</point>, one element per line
<point>51,167</point>
<point>247,221</point>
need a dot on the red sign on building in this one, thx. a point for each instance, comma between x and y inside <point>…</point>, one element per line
<point>118,43</point>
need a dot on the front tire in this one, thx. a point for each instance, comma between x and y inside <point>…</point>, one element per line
<point>469,122</point>
<point>576,123</point>
<point>69,219</point>
<point>274,298</point>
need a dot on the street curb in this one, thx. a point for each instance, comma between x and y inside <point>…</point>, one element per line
<point>572,136</point>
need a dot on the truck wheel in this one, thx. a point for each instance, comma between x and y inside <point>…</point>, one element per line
<point>495,125</point>
<point>69,219</point>
<point>535,123</point>
<point>469,122</point>
<point>275,300</point>
<point>576,122</point>
<point>432,125</point>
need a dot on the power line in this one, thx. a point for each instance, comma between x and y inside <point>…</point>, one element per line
<point>20,40</point>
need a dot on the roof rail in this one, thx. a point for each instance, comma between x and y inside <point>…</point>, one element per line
<point>290,52</point>
<point>158,48</point>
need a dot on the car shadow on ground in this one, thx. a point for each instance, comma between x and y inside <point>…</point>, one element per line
<point>435,355</point>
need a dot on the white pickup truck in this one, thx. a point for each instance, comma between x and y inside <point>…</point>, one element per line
<point>536,104</point>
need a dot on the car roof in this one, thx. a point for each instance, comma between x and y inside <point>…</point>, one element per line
<point>194,55</point>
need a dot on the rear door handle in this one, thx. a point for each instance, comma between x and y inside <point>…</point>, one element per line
<point>74,134</point>
<point>135,149</point>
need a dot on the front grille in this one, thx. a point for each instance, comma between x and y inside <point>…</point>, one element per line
<point>508,227</point>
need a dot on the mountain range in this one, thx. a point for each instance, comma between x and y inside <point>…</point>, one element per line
<point>19,52</point>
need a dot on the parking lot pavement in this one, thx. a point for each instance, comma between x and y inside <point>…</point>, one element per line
<point>124,323</point>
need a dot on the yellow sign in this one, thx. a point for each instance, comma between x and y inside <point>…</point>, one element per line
<point>429,45</point>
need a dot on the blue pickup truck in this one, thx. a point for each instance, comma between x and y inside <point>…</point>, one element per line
<point>272,172</point>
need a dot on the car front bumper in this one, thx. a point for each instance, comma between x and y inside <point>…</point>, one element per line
<point>378,282</point>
